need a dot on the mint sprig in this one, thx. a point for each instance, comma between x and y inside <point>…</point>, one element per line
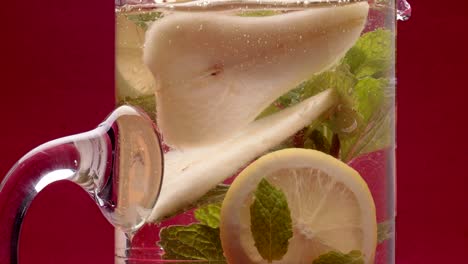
<point>270,221</point>
<point>213,196</point>
<point>340,78</point>
<point>373,119</point>
<point>360,122</point>
<point>209,214</point>
<point>372,55</point>
<point>317,140</point>
<point>196,241</point>
<point>192,242</point>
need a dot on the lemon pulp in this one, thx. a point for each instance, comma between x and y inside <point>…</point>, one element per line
<point>331,207</point>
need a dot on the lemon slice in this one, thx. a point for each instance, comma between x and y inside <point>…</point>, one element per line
<point>331,207</point>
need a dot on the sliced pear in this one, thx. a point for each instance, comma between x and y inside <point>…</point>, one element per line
<point>215,73</point>
<point>133,78</point>
<point>190,173</point>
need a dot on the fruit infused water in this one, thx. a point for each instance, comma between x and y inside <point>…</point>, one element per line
<point>277,122</point>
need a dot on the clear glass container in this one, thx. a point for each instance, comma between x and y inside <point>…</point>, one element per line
<point>245,132</point>
<point>227,82</point>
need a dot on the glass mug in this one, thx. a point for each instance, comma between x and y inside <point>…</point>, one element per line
<point>245,132</point>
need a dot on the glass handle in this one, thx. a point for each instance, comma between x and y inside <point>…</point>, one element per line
<point>119,164</point>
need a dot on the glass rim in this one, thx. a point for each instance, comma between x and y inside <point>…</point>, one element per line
<point>204,4</point>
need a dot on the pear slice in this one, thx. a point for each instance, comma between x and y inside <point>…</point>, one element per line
<point>190,173</point>
<point>215,73</point>
<point>133,78</point>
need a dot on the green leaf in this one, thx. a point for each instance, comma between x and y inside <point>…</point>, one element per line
<point>209,214</point>
<point>369,96</point>
<point>372,55</point>
<point>288,99</point>
<point>372,119</point>
<point>192,242</point>
<point>339,78</point>
<point>144,19</point>
<point>215,195</point>
<point>384,231</point>
<point>270,220</point>
<point>333,257</point>
<point>316,140</point>
<point>361,121</point>
<point>271,109</point>
<point>343,117</point>
<point>292,97</point>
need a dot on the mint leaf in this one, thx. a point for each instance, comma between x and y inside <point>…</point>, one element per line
<point>292,97</point>
<point>144,19</point>
<point>358,106</point>
<point>145,102</point>
<point>271,109</point>
<point>288,99</point>
<point>343,81</point>
<point>369,96</point>
<point>372,55</point>
<point>270,221</point>
<point>340,78</point>
<point>215,195</point>
<point>197,241</point>
<point>361,121</point>
<point>384,231</point>
<point>209,214</point>
<point>333,257</point>
<point>192,242</point>
<point>322,138</point>
<point>372,119</point>
<point>316,140</point>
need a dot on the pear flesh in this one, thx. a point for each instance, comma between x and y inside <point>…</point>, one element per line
<point>216,73</point>
<point>133,79</point>
<point>190,173</point>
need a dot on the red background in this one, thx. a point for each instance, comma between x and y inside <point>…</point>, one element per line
<point>57,75</point>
